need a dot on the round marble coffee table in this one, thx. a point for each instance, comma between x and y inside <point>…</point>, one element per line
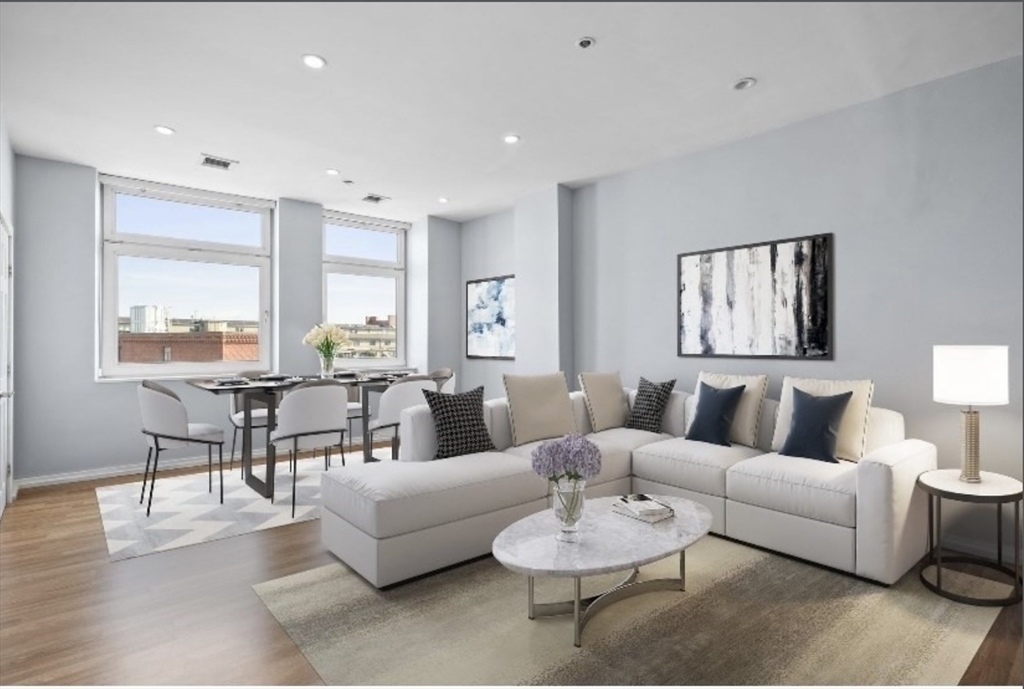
<point>609,542</point>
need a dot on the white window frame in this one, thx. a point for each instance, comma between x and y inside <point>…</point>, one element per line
<point>116,244</point>
<point>351,265</point>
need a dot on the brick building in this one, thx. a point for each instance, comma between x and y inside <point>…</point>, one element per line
<point>195,346</point>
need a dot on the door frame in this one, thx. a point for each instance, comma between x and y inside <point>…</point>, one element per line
<point>7,376</point>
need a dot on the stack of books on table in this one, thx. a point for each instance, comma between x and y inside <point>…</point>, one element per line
<point>642,507</point>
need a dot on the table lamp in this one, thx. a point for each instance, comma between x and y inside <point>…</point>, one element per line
<point>971,376</point>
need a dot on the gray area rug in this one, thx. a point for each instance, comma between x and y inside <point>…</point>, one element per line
<point>185,512</point>
<point>747,617</point>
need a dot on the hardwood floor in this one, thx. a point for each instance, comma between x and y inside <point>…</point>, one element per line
<point>189,616</point>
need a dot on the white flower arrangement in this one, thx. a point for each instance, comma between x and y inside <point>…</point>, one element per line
<point>327,339</point>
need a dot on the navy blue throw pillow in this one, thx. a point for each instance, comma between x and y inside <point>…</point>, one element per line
<point>716,408</point>
<point>815,423</point>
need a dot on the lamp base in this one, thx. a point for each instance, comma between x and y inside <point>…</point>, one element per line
<point>970,463</point>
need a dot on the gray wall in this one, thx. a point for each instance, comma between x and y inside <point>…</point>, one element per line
<point>6,172</point>
<point>488,250</point>
<point>66,423</point>
<point>433,259</point>
<point>543,247</point>
<point>299,276</point>
<point>923,192</point>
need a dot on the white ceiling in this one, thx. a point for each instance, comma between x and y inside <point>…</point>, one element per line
<point>417,96</point>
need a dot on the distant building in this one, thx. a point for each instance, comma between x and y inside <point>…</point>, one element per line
<point>388,322</point>
<point>147,319</point>
<point>153,348</point>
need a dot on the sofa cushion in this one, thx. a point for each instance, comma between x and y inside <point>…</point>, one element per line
<point>615,460</point>
<point>606,400</point>
<point>459,422</point>
<point>803,487</point>
<point>747,420</point>
<point>386,499</point>
<point>539,407</point>
<point>716,407</point>
<point>689,464</point>
<point>629,438</point>
<point>649,405</point>
<point>851,439</point>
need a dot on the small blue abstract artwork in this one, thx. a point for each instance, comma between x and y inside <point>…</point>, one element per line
<point>491,318</point>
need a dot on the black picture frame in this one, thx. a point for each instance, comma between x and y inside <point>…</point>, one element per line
<point>495,278</point>
<point>814,337</point>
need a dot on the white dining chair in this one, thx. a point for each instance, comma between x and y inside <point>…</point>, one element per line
<point>312,415</point>
<point>165,424</point>
<point>449,385</point>
<point>441,376</point>
<point>399,396</point>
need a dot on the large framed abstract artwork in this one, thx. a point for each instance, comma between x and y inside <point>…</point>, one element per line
<point>491,318</point>
<point>772,299</point>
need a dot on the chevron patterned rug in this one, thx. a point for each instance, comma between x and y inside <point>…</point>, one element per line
<point>185,512</point>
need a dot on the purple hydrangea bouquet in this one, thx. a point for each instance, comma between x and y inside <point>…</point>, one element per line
<point>567,462</point>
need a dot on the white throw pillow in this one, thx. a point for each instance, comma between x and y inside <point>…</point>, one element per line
<point>852,429</point>
<point>747,419</point>
<point>539,407</point>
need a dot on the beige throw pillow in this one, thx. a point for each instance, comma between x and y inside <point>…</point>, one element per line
<point>852,429</point>
<point>747,420</point>
<point>606,400</point>
<point>539,407</point>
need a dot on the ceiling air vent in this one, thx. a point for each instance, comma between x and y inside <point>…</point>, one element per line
<point>217,163</point>
<point>376,198</point>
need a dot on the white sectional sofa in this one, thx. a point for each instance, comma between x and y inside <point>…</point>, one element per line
<point>391,521</point>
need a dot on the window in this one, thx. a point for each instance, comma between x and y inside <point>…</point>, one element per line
<point>186,281</point>
<point>364,287</point>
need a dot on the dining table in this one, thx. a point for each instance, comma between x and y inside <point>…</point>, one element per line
<point>267,389</point>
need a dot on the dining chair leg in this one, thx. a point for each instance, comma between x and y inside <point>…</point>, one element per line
<point>152,480</point>
<point>394,445</point>
<point>327,458</point>
<point>220,469</point>
<point>342,446</point>
<point>209,464</point>
<point>145,475</point>
<point>295,476</point>
<point>234,437</point>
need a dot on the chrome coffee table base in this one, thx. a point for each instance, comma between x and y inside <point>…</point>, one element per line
<point>584,609</point>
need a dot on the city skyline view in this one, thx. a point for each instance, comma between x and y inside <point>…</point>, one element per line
<point>230,292</point>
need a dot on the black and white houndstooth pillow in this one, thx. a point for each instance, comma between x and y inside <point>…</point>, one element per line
<point>649,406</point>
<point>459,422</point>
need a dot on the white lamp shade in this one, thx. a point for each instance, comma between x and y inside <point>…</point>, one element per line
<point>970,375</point>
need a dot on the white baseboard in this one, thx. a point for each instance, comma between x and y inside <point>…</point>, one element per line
<point>111,472</point>
<point>128,469</point>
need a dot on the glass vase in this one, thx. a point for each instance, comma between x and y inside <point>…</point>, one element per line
<point>568,500</point>
<point>326,366</point>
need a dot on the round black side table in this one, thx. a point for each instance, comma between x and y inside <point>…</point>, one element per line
<point>993,489</point>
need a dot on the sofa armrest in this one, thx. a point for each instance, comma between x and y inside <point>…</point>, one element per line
<point>892,515</point>
<point>418,437</point>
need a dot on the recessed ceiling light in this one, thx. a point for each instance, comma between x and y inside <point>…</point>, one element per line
<point>163,129</point>
<point>314,61</point>
<point>511,138</point>
<point>332,172</point>
<point>442,200</point>
<point>745,83</point>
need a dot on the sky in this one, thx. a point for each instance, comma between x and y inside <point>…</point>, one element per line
<point>230,292</point>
